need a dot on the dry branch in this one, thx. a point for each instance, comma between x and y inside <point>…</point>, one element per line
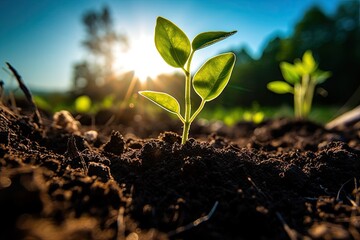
<point>36,117</point>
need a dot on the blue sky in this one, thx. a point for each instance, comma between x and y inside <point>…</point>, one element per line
<point>42,38</point>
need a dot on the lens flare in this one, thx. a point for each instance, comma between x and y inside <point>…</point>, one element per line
<point>142,58</point>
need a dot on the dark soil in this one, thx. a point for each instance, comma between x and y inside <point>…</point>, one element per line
<point>282,179</point>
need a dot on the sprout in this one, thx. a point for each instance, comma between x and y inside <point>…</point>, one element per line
<point>208,82</point>
<point>301,79</point>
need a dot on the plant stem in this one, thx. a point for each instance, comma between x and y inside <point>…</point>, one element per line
<point>185,134</point>
<point>187,113</point>
<point>197,111</point>
<point>304,93</point>
<point>297,101</point>
<point>309,96</point>
<point>187,124</point>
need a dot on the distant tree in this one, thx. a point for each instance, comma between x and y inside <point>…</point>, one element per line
<point>85,77</point>
<point>100,42</point>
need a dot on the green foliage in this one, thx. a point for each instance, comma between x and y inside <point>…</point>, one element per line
<point>289,73</point>
<point>206,39</point>
<point>83,104</point>
<point>301,79</point>
<point>41,103</point>
<point>172,43</point>
<point>164,100</point>
<point>108,102</point>
<point>55,102</point>
<point>258,113</point>
<point>213,76</point>
<point>280,87</point>
<point>210,80</point>
<point>254,114</point>
<point>255,117</point>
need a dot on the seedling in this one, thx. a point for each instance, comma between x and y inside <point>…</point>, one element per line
<point>208,82</point>
<point>301,79</point>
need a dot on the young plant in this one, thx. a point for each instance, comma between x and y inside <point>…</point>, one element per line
<point>208,82</point>
<point>301,79</point>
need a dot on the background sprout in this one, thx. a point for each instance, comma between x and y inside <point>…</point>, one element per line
<point>300,80</point>
<point>208,82</point>
<point>83,104</point>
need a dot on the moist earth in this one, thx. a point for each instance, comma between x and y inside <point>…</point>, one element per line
<point>133,179</point>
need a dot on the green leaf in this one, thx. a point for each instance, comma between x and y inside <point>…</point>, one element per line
<point>172,43</point>
<point>320,76</point>
<point>213,76</point>
<point>206,39</point>
<point>108,101</point>
<point>164,100</point>
<point>299,67</point>
<point>83,104</point>
<point>309,63</point>
<point>290,72</point>
<point>280,87</point>
<point>258,117</point>
<point>42,103</point>
<point>247,116</point>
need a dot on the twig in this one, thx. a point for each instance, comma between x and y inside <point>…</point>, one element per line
<point>356,192</point>
<point>346,118</point>
<point>194,223</point>
<point>13,103</point>
<point>1,90</point>
<point>258,189</point>
<point>355,203</point>
<point>354,219</point>
<point>72,152</point>
<point>342,186</point>
<point>354,232</point>
<point>121,224</point>
<point>120,218</point>
<point>37,117</point>
<point>293,235</point>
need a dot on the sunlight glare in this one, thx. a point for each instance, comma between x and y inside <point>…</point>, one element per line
<point>142,58</point>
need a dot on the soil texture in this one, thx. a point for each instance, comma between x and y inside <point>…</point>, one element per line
<point>281,179</point>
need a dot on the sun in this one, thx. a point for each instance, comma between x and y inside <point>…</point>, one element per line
<point>142,58</point>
